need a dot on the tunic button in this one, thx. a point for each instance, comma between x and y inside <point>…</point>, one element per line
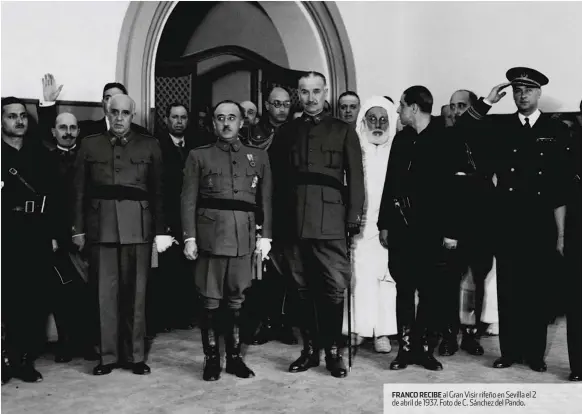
<point>117,169</point>
<point>118,156</point>
<point>515,150</point>
<point>235,175</point>
<point>567,148</point>
<point>235,191</point>
<point>234,162</point>
<point>513,169</point>
<point>542,154</point>
<point>539,193</point>
<point>510,189</point>
<point>310,165</point>
<point>310,149</point>
<point>540,173</point>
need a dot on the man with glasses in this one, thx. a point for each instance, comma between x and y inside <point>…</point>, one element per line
<point>225,185</point>
<point>270,295</point>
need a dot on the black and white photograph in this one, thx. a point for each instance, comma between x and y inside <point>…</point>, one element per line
<point>303,207</point>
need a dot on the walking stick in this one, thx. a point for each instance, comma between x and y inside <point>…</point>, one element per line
<point>350,305</point>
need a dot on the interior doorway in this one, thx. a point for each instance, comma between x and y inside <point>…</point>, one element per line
<point>311,36</point>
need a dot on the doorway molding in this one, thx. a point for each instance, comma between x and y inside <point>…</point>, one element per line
<point>313,33</point>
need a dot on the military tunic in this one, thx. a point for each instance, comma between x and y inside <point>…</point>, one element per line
<point>531,169</point>
<point>313,158</point>
<point>225,186</point>
<point>118,204</point>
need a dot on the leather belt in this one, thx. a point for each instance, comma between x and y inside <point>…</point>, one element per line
<point>118,192</point>
<point>313,178</point>
<point>227,204</point>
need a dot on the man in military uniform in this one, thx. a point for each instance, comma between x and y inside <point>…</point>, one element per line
<point>225,185</point>
<point>313,155</point>
<point>526,153</point>
<point>270,295</point>
<point>418,223</point>
<point>28,228</point>
<point>118,207</point>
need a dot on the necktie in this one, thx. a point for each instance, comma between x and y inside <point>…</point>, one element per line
<point>527,125</point>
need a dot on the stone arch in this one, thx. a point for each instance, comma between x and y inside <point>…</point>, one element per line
<point>313,33</point>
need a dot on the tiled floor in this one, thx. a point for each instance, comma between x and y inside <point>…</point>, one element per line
<point>175,385</point>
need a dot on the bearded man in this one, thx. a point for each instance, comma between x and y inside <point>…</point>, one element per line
<point>374,304</point>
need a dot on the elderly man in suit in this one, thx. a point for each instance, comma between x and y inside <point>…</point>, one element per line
<point>118,208</point>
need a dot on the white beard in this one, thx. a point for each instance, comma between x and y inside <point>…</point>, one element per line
<point>375,139</point>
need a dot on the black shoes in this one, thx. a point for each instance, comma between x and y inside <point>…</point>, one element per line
<point>538,365</point>
<point>270,332</point>
<point>405,355</point>
<point>335,363</point>
<point>141,368</point>
<point>212,369</point>
<point>236,366</point>
<point>26,371</point>
<point>504,362</point>
<point>575,376</point>
<point>309,359</point>
<point>104,369</point>
<point>470,342</point>
<point>448,346</point>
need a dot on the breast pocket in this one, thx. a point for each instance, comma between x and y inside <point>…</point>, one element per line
<point>99,167</point>
<point>212,180</point>
<point>252,180</point>
<point>332,156</point>
<point>141,167</point>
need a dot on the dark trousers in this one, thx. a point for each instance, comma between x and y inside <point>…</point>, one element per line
<point>26,269</point>
<point>420,262</point>
<point>573,247</point>
<point>172,291</point>
<point>527,275</point>
<point>119,274</point>
<point>321,272</point>
<point>73,306</point>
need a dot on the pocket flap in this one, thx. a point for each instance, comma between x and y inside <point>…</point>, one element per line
<point>98,160</point>
<point>253,171</point>
<point>140,160</point>
<point>213,170</point>
<point>145,204</point>
<point>331,195</point>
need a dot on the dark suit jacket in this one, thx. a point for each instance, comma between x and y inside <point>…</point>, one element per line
<point>137,164</point>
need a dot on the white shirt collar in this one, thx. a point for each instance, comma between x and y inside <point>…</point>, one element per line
<point>532,118</point>
<point>66,149</point>
<point>179,142</point>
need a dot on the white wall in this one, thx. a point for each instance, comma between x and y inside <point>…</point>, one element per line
<point>76,41</point>
<point>451,45</point>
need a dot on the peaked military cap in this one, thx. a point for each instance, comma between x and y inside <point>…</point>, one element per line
<point>526,77</point>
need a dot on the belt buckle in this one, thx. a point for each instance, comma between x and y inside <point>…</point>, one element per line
<point>12,171</point>
<point>29,206</point>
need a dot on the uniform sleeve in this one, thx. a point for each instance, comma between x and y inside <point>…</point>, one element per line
<point>190,195</point>
<point>267,198</point>
<point>156,179</point>
<point>565,170</point>
<point>47,116</point>
<point>386,203</point>
<point>79,189</point>
<point>354,176</point>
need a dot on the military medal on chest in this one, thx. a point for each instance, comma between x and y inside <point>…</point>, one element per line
<point>251,160</point>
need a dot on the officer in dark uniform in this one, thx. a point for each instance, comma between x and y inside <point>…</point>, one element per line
<point>526,153</point>
<point>70,301</point>
<point>27,231</point>
<point>572,249</point>
<point>420,226</point>
<point>270,297</point>
<point>118,207</point>
<point>312,158</point>
<point>225,185</point>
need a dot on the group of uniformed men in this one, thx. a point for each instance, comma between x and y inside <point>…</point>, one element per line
<point>302,193</point>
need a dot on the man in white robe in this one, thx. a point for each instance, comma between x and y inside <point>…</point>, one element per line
<point>373,289</point>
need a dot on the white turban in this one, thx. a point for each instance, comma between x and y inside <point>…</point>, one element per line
<point>361,121</point>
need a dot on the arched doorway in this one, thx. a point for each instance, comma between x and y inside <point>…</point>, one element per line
<point>312,33</point>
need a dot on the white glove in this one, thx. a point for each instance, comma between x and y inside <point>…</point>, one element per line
<point>264,245</point>
<point>163,243</point>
